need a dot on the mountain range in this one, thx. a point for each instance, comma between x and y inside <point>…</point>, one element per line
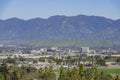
<point>58,27</point>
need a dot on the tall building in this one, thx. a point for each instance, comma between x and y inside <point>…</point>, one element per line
<point>84,49</point>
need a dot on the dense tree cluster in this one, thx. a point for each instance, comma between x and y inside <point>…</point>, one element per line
<point>48,73</point>
<point>84,74</point>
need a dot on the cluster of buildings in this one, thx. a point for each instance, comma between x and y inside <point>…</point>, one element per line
<point>33,55</point>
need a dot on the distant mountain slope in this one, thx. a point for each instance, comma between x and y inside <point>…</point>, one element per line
<point>79,27</point>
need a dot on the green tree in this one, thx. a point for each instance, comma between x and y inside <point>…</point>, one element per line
<point>62,75</point>
<point>10,60</point>
<point>12,73</point>
<point>96,73</point>
<point>100,61</point>
<point>46,74</point>
<point>118,61</point>
<point>81,72</point>
<point>20,58</point>
<point>75,74</point>
<point>3,70</point>
<point>117,77</point>
<point>1,76</point>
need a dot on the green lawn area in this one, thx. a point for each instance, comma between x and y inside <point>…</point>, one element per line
<point>110,70</point>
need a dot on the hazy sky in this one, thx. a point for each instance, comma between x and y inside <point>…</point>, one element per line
<point>27,9</point>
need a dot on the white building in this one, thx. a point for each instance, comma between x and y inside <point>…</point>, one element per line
<point>85,49</point>
<point>43,49</point>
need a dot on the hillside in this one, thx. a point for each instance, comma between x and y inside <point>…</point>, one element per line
<point>79,27</point>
